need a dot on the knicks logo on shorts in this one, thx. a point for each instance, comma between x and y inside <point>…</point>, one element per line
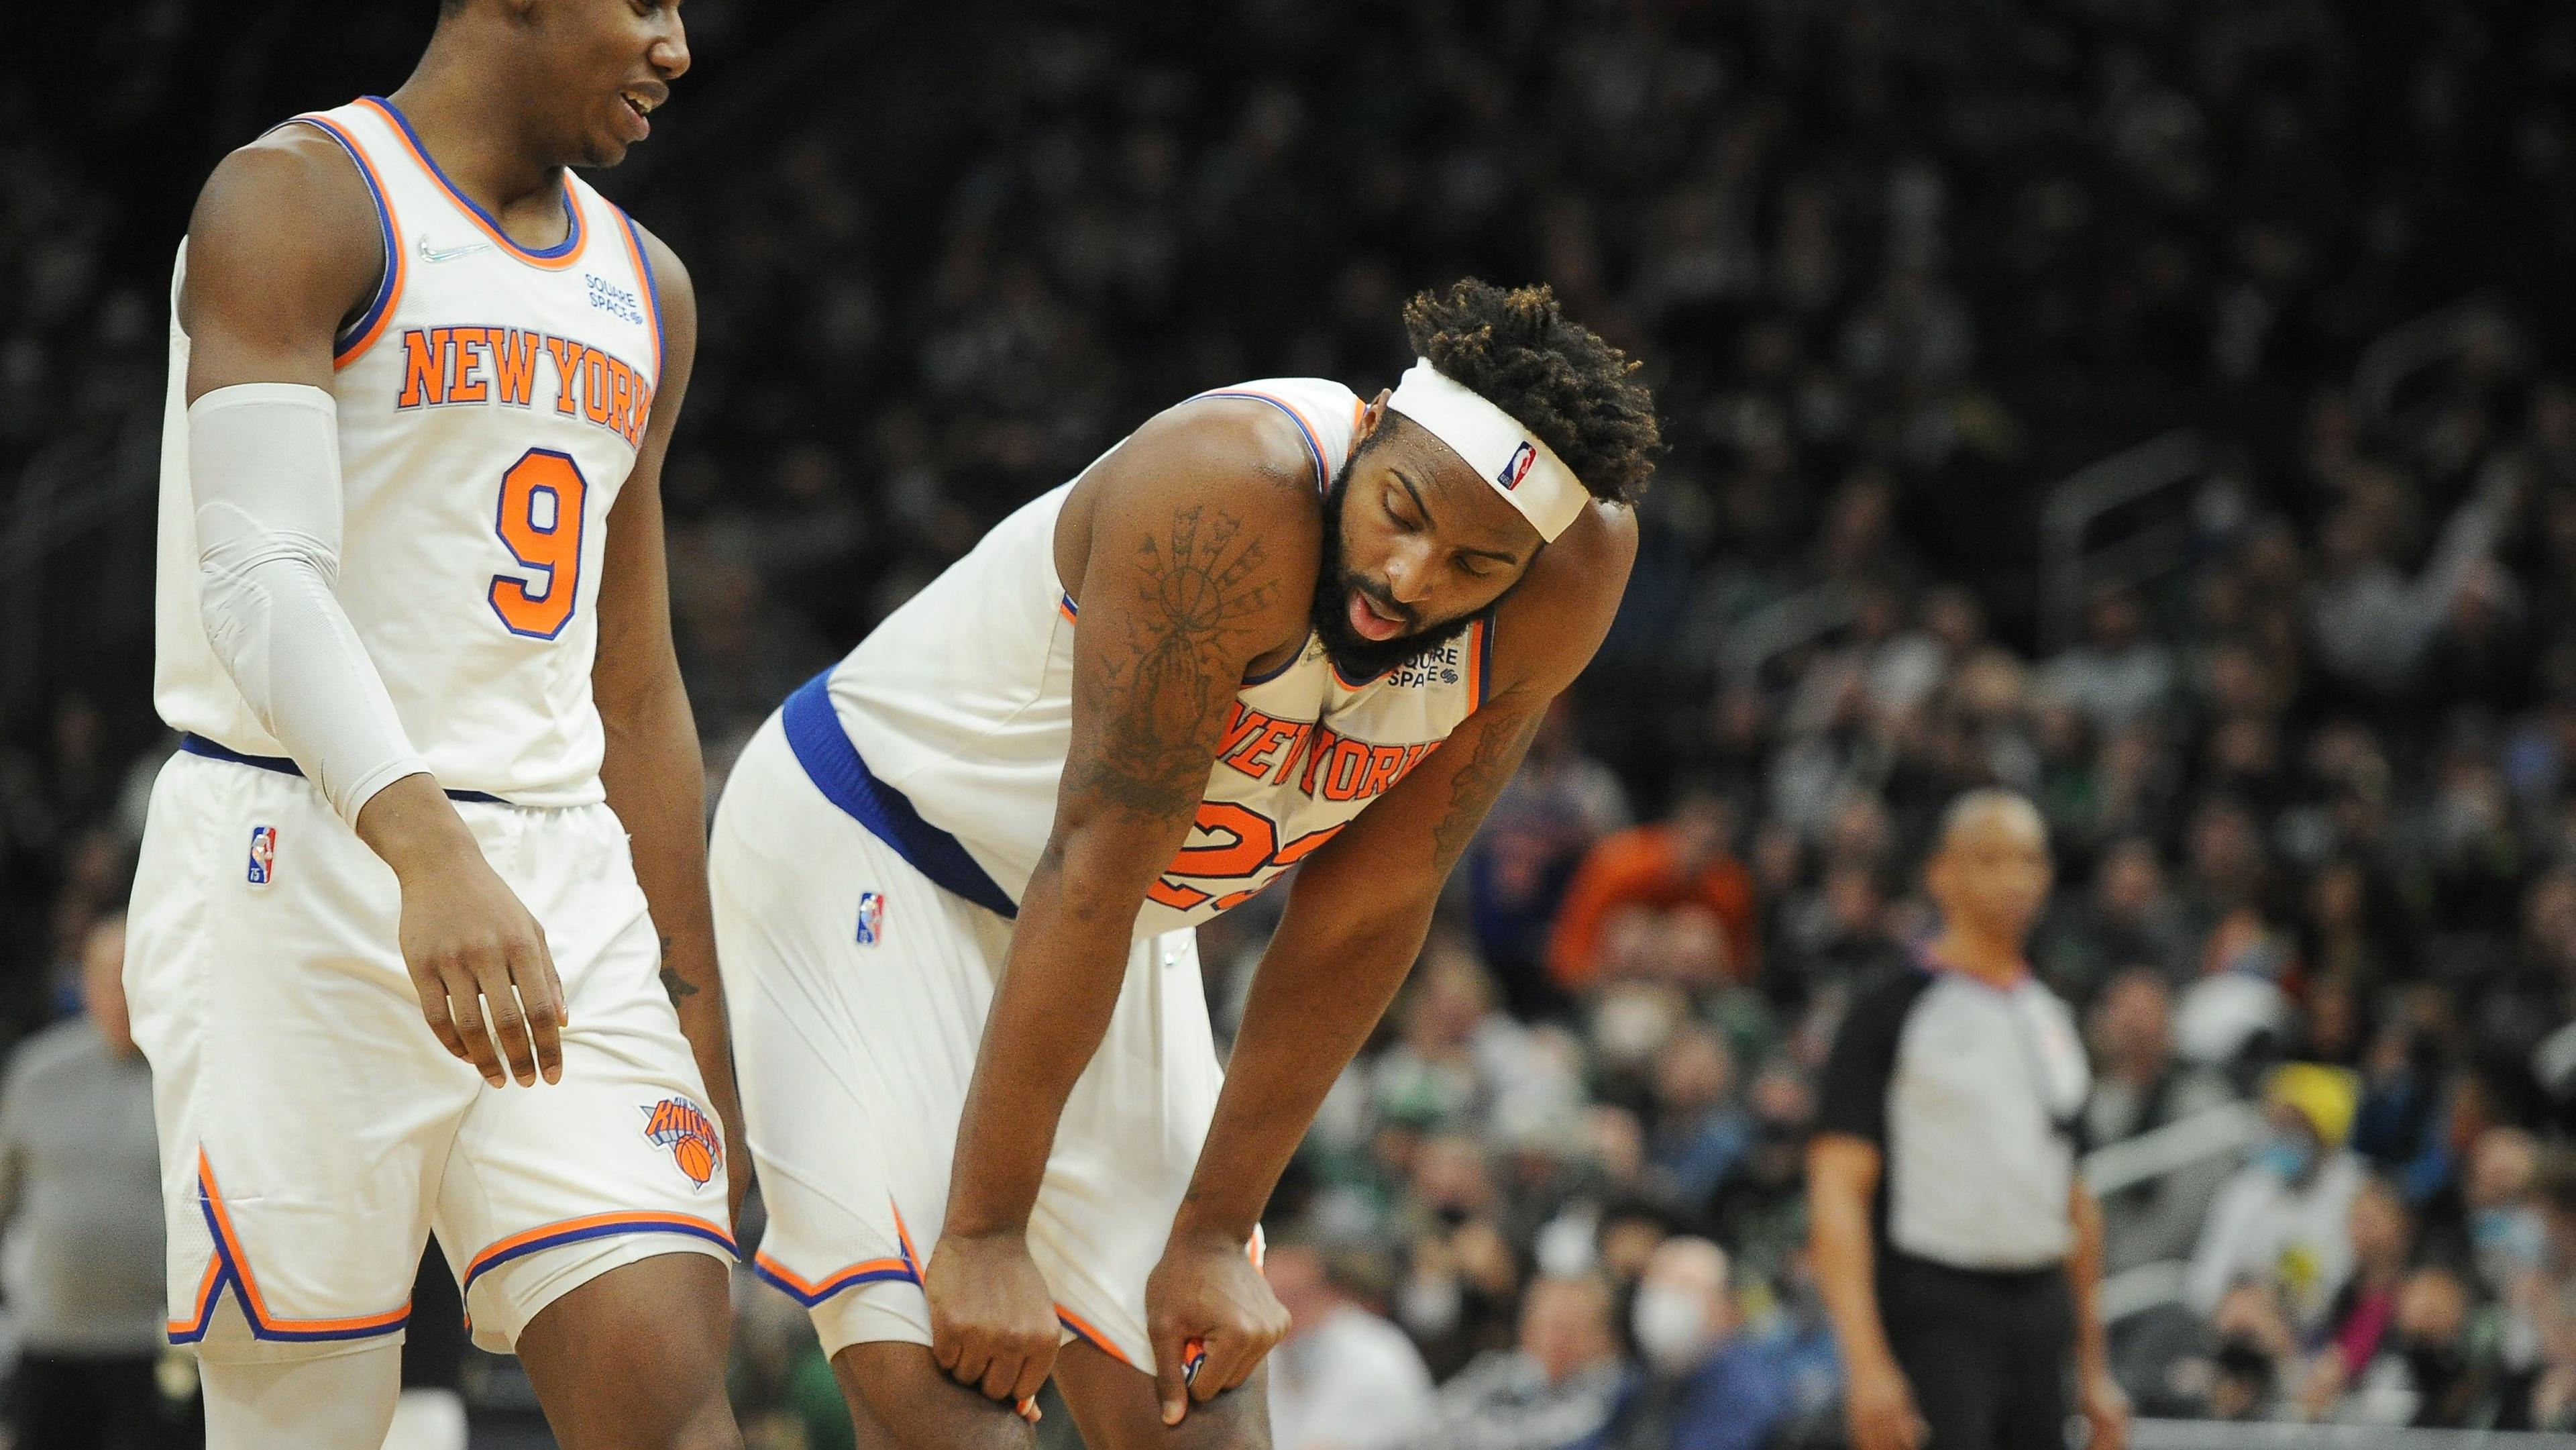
<point>263,855</point>
<point>677,1124</point>
<point>1519,467</point>
<point>871,917</point>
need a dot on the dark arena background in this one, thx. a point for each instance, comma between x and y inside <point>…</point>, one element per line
<point>2166,408</point>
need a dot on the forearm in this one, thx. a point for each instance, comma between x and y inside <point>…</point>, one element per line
<point>1059,986</point>
<point>1846,1268</point>
<point>2084,1280</point>
<point>1321,987</point>
<point>655,778</point>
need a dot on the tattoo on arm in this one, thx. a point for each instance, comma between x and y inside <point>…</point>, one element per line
<point>672,982</point>
<point>1473,789</point>
<point>1164,685</point>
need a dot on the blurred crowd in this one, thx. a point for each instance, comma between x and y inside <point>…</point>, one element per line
<point>2308,761</point>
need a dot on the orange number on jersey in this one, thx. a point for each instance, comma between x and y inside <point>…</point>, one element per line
<point>1254,839</point>
<point>540,524</point>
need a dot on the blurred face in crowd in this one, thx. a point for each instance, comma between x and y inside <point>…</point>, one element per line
<point>1694,1072</point>
<point>2382,1230</point>
<point>103,985</point>
<point>592,70</point>
<point>1565,1325</point>
<point>1416,545</point>
<point>2133,1025</point>
<point>1682,1311</point>
<point>1992,872</point>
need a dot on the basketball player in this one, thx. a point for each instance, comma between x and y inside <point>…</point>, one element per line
<point>394,949</point>
<point>956,877</point>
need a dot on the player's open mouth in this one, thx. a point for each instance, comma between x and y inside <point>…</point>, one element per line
<point>1370,622</point>
<point>640,106</point>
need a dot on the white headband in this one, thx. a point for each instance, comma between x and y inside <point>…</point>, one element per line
<point>1525,471</point>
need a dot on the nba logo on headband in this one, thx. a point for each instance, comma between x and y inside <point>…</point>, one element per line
<point>1518,469</point>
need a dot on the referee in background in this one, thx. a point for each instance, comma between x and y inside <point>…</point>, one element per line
<point>1957,1251</point>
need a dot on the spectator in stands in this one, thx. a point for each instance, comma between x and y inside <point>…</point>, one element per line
<point>1557,1386</point>
<point>1558,804</point>
<point>2129,918</point>
<point>80,1199</point>
<point>1700,1132</point>
<point>1688,858</point>
<point>2142,1087</point>
<point>2119,673</point>
<point>2285,1218</point>
<point>1704,1387</point>
<point>1345,1378</point>
<point>2360,1325</point>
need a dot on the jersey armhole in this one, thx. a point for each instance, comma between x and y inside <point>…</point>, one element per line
<point>652,289</point>
<point>352,342</point>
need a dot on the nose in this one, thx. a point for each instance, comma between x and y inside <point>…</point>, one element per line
<point>1408,573</point>
<point>670,53</point>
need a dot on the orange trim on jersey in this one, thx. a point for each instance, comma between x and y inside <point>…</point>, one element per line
<point>572,204</point>
<point>903,1235</point>
<point>345,353</point>
<point>1091,1335</point>
<point>814,1291</point>
<point>592,1226</point>
<point>231,1249</point>
<point>1064,608</point>
<point>1475,652</point>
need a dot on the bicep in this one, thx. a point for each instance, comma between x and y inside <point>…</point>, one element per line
<point>1181,589</point>
<point>635,597</point>
<point>282,246</point>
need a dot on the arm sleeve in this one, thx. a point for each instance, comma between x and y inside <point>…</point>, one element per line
<point>1852,1098</point>
<point>264,463</point>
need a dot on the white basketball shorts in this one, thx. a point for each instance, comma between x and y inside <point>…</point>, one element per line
<point>858,991</point>
<point>313,1131</point>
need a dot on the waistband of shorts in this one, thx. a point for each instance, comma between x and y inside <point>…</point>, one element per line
<point>1896,1266</point>
<point>214,750</point>
<point>814,733</point>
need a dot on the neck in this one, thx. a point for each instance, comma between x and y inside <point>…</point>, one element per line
<point>448,101</point>
<point>1984,955</point>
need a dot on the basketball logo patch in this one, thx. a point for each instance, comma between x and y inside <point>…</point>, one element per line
<point>1518,468</point>
<point>677,1124</point>
<point>871,917</point>
<point>263,855</point>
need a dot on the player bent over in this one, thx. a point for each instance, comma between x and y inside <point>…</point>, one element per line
<point>956,876</point>
<point>413,621</point>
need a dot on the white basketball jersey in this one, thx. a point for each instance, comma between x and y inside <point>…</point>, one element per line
<point>962,700</point>
<point>491,401</point>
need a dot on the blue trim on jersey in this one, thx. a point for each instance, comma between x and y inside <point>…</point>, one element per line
<point>343,341</point>
<point>814,733</point>
<point>596,1231</point>
<point>1284,667</point>
<point>1323,476</point>
<point>652,288</point>
<point>572,214</point>
<point>200,745</point>
<point>839,1283</point>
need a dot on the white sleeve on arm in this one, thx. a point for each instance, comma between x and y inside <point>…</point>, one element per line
<point>264,460</point>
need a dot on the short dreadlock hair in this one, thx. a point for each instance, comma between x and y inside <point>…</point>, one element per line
<point>1520,352</point>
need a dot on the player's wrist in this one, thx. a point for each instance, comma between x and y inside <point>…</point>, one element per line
<point>412,828</point>
<point>1204,1227</point>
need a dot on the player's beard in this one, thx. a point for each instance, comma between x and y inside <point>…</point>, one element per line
<point>1355,655</point>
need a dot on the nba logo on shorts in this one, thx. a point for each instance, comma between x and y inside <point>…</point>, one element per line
<point>263,854</point>
<point>1518,469</point>
<point>871,917</point>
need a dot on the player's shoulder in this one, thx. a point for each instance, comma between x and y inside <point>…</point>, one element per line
<point>1250,454</point>
<point>292,198</point>
<point>1550,625</point>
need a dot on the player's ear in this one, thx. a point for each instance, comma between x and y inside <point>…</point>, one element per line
<point>1372,418</point>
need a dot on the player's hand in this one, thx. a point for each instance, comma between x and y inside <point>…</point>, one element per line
<point>1878,1409</point>
<point>1211,1318</point>
<point>487,983</point>
<point>2106,1409</point>
<point>992,1321</point>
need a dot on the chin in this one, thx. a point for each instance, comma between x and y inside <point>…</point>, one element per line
<point>1361,658</point>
